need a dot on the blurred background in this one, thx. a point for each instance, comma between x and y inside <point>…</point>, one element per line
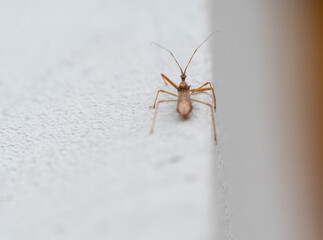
<point>76,82</point>
<point>268,66</point>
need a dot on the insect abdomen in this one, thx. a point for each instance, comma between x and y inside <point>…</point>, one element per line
<point>184,106</point>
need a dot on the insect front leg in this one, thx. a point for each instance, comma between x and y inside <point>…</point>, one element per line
<point>168,80</point>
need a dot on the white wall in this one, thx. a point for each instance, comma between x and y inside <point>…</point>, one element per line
<point>248,104</point>
<point>76,160</point>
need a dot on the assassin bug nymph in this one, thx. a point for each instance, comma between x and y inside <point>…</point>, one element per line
<point>184,100</point>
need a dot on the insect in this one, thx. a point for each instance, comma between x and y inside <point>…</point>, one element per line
<point>184,100</point>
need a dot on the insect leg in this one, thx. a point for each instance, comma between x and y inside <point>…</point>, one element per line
<point>199,90</point>
<point>168,80</point>
<point>155,115</point>
<point>212,113</point>
<point>158,94</point>
<point>205,89</point>
<point>195,90</point>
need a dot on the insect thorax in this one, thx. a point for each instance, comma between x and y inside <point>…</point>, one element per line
<point>183,86</point>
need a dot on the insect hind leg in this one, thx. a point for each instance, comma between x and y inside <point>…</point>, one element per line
<point>213,120</point>
<point>155,115</point>
<point>158,94</point>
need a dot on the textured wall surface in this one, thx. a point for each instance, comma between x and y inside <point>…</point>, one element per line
<point>76,160</point>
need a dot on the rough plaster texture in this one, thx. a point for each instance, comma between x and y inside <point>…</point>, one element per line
<point>76,160</point>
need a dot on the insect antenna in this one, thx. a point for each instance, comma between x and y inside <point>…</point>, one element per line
<point>157,44</point>
<point>198,48</point>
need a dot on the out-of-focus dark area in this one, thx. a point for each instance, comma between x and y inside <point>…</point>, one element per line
<point>268,69</point>
<point>300,85</point>
<point>311,74</point>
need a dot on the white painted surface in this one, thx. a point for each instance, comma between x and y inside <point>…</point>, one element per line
<point>76,160</point>
<point>249,119</point>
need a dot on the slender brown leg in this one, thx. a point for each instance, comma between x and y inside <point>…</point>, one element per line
<point>213,120</point>
<point>205,89</point>
<point>193,91</point>
<point>158,94</point>
<point>168,80</point>
<point>165,81</point>
<point>155,115</point>
<point>199,90</point>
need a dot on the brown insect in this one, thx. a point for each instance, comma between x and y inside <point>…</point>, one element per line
<point>184,101</point>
